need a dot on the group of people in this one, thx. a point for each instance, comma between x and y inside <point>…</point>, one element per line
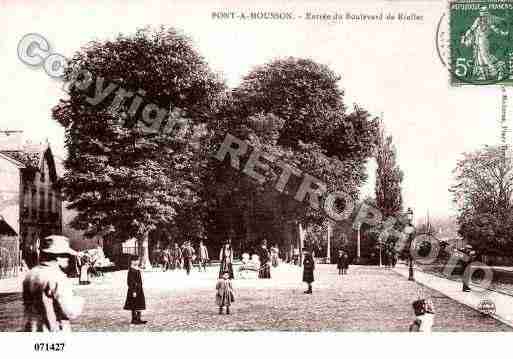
<point>176,257</point>
<point>49,302</point>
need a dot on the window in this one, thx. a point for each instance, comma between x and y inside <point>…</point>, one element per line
<point>50,202</point>
<point>43,170</point>
<point>33,207</point>
<point>41,200</point>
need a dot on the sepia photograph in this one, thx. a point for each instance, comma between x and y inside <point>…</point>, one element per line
<point>225,167</point>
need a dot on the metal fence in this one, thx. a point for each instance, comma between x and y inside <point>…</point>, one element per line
<point>10,257</point>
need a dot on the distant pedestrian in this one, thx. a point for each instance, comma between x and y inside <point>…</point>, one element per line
<point>165,259</point>
<point>188,254</point>
<point>224,293</point>
<point>48,298</point>
<point>341,262</point>
<point>308,270</point>
<point>135,300</point>
<point>203,256</point>
<point>395,257</point>
<point>176,256</point>
<point>275,255</point>
<point>226,259</point>
<point>469,255</point>
<point>295,256</point>
<point>265,261</point>
<point>347,260</point>
<point>85,265</point>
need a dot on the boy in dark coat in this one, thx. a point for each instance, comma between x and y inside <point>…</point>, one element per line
<point>346,262</point>
<point>187,254</point>
<point>340,262</point>
<point>135,300</point>
<point>308,270</point>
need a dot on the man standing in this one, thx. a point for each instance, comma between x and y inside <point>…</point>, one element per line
<point>176,255</point>
<point>48,298</point>
<point>469,257</point>
<point>187,253</point>
<point>203,256</point>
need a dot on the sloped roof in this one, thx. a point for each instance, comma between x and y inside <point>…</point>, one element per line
<point>5,228</point>
<point>30,155</point>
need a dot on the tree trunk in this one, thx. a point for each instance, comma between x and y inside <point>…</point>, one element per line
<point>144,257</point>
<point>248,238</point>
<point>287,235</point>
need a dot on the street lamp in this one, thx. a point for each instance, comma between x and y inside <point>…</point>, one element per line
<point>409,216</point>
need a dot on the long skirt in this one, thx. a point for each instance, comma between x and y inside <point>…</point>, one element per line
<point>137,302</point>
<point>265,271</point>
<point>308,275</point>
<point>84,274</point>
<point>224,298</point>
<point>226,267</point>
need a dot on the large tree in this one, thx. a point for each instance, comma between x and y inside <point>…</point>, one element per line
<point>128,171</point>
<point>292,109</point>
<point>483,194</point>
<point>388,176</point>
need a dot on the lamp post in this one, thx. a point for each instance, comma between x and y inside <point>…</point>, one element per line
<point>328,249</point>
<point>358,244</point>
<point>409,215</point>
<point>380,256</point>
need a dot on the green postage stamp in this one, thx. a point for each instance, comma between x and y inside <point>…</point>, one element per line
<point>481,42</point>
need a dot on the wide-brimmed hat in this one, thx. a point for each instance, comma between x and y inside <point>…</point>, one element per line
<point>55,244</point>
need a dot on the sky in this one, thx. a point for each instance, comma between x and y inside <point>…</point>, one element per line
<point>391,68</point>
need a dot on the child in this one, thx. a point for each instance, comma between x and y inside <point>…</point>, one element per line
<point>425,315</point>
<point>308,270</point>
<point>135,300</point>
<point>346,263</point>
<point>224,295</point>
<point>340,262</point>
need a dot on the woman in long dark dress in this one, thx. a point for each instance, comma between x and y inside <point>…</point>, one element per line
<point>226,258</point>
<point>308,270</point>
<point>135,300</point>
<point>265,259</point>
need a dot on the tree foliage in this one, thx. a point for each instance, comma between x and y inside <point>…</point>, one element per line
<point>483,192</point>
<point>388,177</point>
<point>292,109</point>
<point>122,178</point>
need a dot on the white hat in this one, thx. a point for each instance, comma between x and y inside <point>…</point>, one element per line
<point>55,244</point>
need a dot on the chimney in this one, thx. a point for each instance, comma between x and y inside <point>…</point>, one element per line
<point>11,140</point>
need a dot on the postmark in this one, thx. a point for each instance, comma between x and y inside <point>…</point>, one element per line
<point>487,307</point>
<point>480,42</point>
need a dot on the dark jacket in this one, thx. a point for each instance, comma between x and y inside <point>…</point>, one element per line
<point>342,260</point>
<point>188,252</point>
<point>264,256</point>
<point>308,268</point>
<point>134,281</point>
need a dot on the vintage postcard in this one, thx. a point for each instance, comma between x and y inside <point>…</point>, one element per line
<point>194,167</point>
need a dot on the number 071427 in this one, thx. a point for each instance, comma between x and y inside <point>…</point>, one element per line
<point>49,347</point>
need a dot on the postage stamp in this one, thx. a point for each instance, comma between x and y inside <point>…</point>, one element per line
<point>481,34</point>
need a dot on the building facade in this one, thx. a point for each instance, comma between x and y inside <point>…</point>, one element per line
<point>30,195</point>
